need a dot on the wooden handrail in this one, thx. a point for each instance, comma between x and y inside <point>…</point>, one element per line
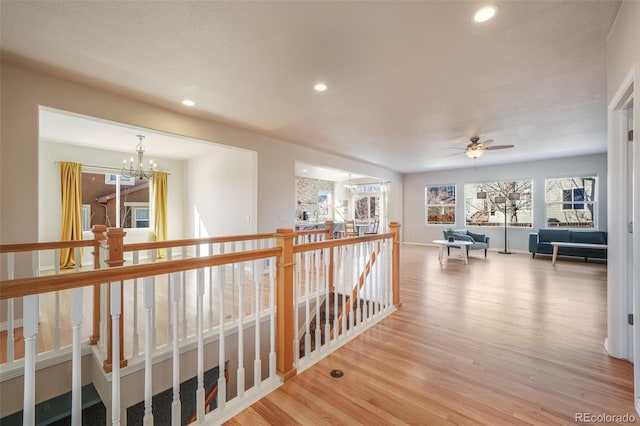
<point>299,248</point>
<point>36,285</point>
<point>194,241</point>
<point>48,245</point>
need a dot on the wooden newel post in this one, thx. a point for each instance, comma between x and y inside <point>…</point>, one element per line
<point>98,237</point>
<point>394,227</point>
<point>328,226</point>
<point>115,239</point>
<point>284,335</point>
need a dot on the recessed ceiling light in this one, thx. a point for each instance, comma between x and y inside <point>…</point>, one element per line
<point>188,102</point>
<point>485,13</point>
<point>320,87</point>
<point>304,170</point>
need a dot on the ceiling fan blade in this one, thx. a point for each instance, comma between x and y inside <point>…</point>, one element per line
<point>498,147</point>
<point>455,153</point>
<point>488,142</point>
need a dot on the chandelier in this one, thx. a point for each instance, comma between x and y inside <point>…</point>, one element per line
<point>139,172</point>
<point>351,187</point>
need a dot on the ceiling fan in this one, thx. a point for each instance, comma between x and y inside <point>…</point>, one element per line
<point>476,148</point>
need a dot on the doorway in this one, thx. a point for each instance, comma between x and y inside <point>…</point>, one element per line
<point>623,276</point>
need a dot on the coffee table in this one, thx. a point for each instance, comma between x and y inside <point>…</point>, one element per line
<point>454,243</point>
<point>557,245</point>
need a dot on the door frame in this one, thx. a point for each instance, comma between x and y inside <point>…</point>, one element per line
<point>619,343</point>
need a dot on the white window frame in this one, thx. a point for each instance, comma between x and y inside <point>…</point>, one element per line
<point>86,217</point>
<point>136,205</point>
<point>440,206</point>
<point>585,203</point>
<point>112,179</point>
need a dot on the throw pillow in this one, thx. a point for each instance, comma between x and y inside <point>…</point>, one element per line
<point>462,237</point>
<point>477,237</point>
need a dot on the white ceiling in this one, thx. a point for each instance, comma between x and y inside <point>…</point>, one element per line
<point>407,80</point>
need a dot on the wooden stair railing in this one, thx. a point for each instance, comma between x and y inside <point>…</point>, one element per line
<point>354,293</point>
<point>342,309</point>
<point>210,396</point>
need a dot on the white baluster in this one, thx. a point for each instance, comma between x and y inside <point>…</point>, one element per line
<point>30,331</point>
<point>115,352</point>
<point>210,269</point>
<point>337,253</point>
<point>272,320</point>
<point>386,276</point>
<point>76,364</point>
<point>233,289</point>
<point>368,281</point>
<point>222,384</point>
<point>104,315</point>
<point>372,290</point>
<point>176,407</point>
<point>148,298</point>
<point>316,280</point>
<point>183,285</point>
<point>170,335</point>
<point>355,285</point>
<point>10,321</point>
<point>307,288</point>
<point>154,335</point>
<point>298,281</point>
<point>389,302</point>
<point>347,265</point>
<point>252,272</point>
<point>241,311</point>
<point>257,364</point>
<point>327,296</point>
<point>56,265</point>
<point>200,390</point>
<point>136,334</point>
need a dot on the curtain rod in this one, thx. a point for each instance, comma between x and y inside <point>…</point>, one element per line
<point>91,166</point>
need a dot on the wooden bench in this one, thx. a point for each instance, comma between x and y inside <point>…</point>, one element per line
<point>556,245</point>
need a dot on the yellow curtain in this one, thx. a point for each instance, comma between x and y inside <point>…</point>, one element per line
<point>71,190</point>
<point>160,209</point>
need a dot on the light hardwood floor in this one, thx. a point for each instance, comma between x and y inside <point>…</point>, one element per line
<point>509,340</point>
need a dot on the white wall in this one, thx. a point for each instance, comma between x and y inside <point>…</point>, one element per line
<point>415,229</point>
<point>23,91</point>
<point>221,193</point>
<point>623,46</point>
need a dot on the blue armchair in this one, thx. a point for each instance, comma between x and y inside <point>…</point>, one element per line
<point>479,241</point>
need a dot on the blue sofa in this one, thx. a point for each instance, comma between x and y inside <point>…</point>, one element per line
<point>479,241</point>
<point>540,242</point>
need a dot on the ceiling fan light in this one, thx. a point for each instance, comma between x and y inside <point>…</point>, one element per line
<point>474,153</point>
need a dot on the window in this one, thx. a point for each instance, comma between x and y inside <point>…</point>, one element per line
<point>440,204</point>
<point>493,203</point>
<point>86,217</point>
<point>112,179</point>
<point>112,200</point>
<point>367,202</point>
<point>141,215</point>
<point>571,202</point>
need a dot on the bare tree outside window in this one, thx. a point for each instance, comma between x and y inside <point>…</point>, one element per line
<point>486,211</point>
<point>440,204</point>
